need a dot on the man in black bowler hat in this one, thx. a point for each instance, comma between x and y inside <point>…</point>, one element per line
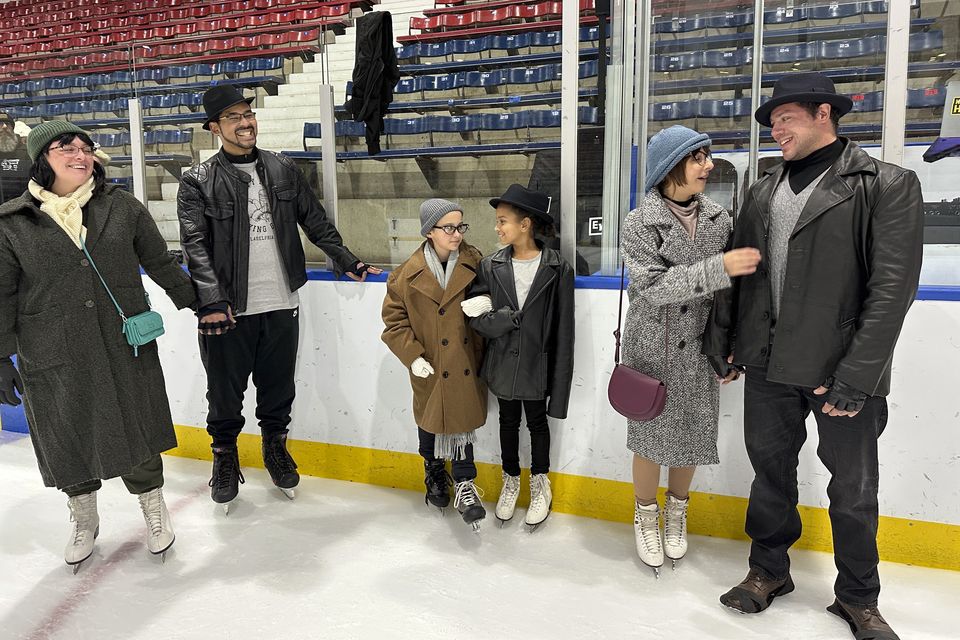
<point>239,216</point>
<point>841,236</point>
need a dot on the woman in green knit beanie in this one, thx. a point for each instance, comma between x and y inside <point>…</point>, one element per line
<point>95,408</point>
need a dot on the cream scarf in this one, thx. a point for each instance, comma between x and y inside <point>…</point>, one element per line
<point>66,211</point>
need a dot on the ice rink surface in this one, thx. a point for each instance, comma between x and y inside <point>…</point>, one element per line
<point>356,561</point>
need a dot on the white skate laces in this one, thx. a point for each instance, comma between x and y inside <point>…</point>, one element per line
<point>646,528</point>
<point>83,513</point>
<point>541,499</point>
<point>468,494</point>
<point>675,527</point>
<point>507,503</point>
<point>160,534</point>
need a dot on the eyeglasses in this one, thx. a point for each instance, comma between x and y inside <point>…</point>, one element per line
<point>450,229</point>
<point>234,118</point>
<point>71,150</point>
<point>701,156</point>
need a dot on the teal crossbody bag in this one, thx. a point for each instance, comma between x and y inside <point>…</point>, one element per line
<point>140,329</point>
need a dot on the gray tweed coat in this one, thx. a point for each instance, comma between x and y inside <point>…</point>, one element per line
<point>93,409</point>
<point>672,278</point>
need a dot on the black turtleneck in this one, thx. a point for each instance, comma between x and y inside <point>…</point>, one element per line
<point>805,170</point>
<point>244,159</point>
<point>685,203</point>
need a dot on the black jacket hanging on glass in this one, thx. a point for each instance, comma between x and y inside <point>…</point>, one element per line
<point>375,74</point>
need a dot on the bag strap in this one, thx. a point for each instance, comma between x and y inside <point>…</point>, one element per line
<point>666,326</point>
<point>93,264</point>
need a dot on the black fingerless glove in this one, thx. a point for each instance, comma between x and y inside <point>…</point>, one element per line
<point>359,269</point>
<point>844,397</point>
<point>216,307</point>
<point>722,367</point>
<point>10,382</point>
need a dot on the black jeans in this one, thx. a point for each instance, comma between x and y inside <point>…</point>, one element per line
<point>142,478</point>
<point>264,344</point>
<point>464,469</point>
<point>774,431</point>
<point>510,412</point>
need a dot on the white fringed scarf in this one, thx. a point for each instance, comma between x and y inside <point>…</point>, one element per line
<point>66,211</point>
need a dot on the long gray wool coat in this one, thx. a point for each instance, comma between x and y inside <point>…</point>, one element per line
<point>672,278</point>
<point>94,410</point>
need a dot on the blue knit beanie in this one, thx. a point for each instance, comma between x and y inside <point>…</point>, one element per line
<point>667,148</point>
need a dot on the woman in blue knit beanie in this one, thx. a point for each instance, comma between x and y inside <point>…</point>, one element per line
<point>673,246</point>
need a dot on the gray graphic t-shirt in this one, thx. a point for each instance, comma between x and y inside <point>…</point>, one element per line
<point>267,286</point>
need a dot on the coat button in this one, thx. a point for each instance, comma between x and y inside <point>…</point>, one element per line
<point>84,262</point>
<point>762,273</point>
<point>681,344</point>
<point>444,342</point>
<point>765,315</point>
<point>514,352</point>
<point>698,289</point>
<point>446,374</point>
<point>442,311</point>
<point>88,304</point>
<point>763,351</point>
<point>683,309</point>
<point>466,340</point>
<point>466,372</point>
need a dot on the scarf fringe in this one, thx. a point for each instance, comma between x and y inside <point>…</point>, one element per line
<point>453,446</point>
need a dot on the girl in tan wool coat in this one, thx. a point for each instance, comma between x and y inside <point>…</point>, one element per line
<point>427,332</point>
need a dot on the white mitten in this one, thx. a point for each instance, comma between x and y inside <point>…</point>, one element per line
<point>421,368</point>
<point>477,306</point>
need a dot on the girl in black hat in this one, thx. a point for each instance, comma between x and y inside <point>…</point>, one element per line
<point>522,302</point>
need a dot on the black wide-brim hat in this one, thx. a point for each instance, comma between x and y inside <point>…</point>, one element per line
<point>219,98</point>
<point>803,87</point>
<point>532,202</point>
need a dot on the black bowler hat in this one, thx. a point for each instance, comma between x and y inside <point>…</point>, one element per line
<point>803,87</point>
<point>219,98</point>
<point>532,202</point>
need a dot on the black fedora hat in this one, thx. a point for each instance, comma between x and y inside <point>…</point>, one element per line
<point>803,87</point>
<point>218,98</point>
<point>532,202</point>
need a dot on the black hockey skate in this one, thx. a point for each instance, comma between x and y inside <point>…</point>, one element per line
<point>437,481</point>
<point>277,460</point>
<point>467,502</point>
<point>226,478</point>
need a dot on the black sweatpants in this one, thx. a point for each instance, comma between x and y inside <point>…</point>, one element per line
<point>142,478</point>
<point>510,414</point>
<point>464,469</point>
<point>265,345</point>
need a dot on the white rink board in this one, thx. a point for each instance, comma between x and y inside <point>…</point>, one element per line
<point>352,391</point>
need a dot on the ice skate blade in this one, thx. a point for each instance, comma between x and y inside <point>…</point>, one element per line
<point>290,493</point>
<point>76,566</point>
<point>226,507</point>
<point>475,526</point>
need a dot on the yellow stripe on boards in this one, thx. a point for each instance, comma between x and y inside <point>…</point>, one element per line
<point>926,544</point>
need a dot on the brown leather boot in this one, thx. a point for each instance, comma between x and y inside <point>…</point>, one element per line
<point>865,621</point>
<point>756,592</point>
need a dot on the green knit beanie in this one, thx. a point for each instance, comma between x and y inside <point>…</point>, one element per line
<point>45,132</point>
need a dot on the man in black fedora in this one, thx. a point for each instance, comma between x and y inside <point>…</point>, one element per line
<point>841,236</point>
<point>239,216</point>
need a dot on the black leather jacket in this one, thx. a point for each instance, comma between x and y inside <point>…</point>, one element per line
<point>853,267</point>
<point>529,355</point>
<point>215,226</point>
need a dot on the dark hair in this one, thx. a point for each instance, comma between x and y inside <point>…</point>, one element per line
<point>813,107</point>
<point>42,173</point>
<point>678,175</point>
<point>541,228</point>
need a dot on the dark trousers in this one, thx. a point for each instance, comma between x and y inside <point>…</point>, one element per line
<point>264,344</point>
<point>510,414</point>
<point>775,430</point>
<point>464,469</point>
<point>142,478</point>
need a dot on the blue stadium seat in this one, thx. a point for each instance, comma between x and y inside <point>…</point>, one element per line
<point>835,10</point>
<point>550,38</point>
<point>52,84</point>
<point>926,40</point>
<point>311,130</point>
<point>234,66</point>
<point>530,75</point>
<point>926,98</point>
<point>51,110</point>
<point>867,102</point>
<point>504,121</point>
<point>840,49</point>
<point>589,34</point>
<point>587,69</point>
<point>409,126</point>
<point>125,182</point>
<point>97,80</point>
<point>174,136</point>
<point>678,61</point>
<point>266,64</point>
<point>406,85</point>
<point>97,106</point>
<point>729,20</point>
<point>588,115</point>
<point>10,88</point>
<point>435,49</point>
<point>206,69</point>
<point>121,77</point>
<point>350,129</point>
<point>191,99</point>
<point>720,59</point>
<point>158,74</point>
<point>448,82</point>
<point>483,78</point>
<point>679,25</point>
<point>679,110</point>
<point>408,51</point>
<point>511,41</point>
<point>783,15</point>
<point>454,124</point>
<point>779,53</point>
<point>548,119</point>
<point>724,108</point>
